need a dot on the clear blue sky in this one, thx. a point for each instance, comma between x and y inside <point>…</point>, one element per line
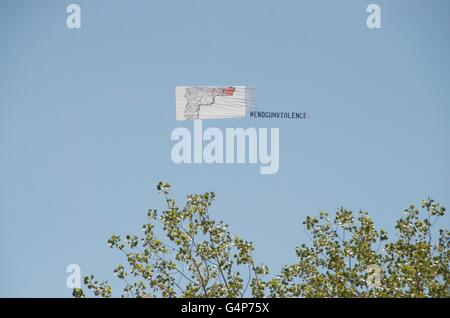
<point>86,117</point>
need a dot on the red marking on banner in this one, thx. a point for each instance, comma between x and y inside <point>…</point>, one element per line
<point>229,91</point>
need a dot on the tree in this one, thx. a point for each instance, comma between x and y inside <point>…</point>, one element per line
<point>350,258</point>
<point>197,258</point>
<point>347,257</point>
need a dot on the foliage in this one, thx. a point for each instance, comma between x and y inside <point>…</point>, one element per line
<point>350,258</point>
<point>198,257</point>
<point>347,257</point>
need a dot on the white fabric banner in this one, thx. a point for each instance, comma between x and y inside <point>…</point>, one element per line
<point>209,102</point>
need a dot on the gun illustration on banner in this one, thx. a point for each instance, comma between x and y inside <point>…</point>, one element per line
<point>208,102</point>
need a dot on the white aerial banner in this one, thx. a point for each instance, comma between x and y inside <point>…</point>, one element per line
<point>209,102</point>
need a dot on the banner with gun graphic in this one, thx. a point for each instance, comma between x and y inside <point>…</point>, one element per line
<point>210,102</point>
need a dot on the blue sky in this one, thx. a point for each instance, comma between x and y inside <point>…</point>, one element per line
<point>86,117</point>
